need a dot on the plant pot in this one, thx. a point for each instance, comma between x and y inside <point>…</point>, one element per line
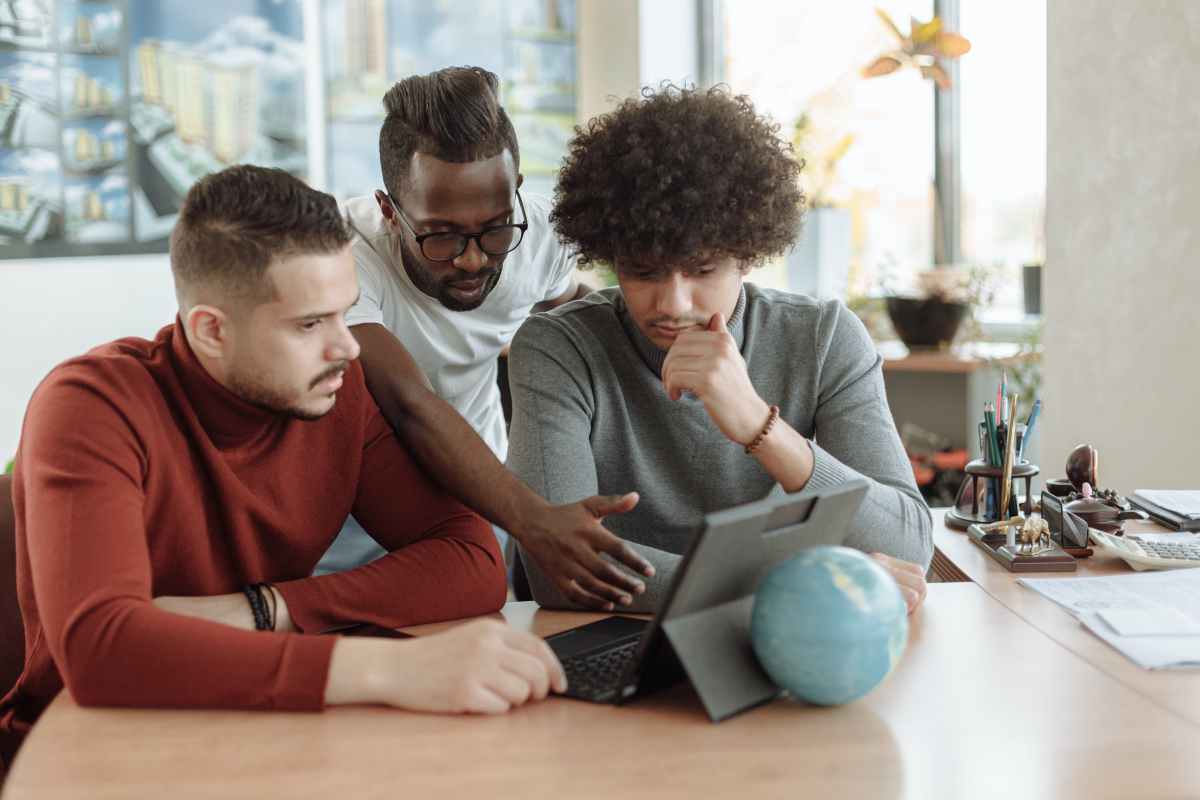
<point>1031,281</point>
<point>925,324</point>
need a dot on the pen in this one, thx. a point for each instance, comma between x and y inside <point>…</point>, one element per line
<point>1033,415</point>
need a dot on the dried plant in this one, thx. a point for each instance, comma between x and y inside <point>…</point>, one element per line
<point>924,48</point>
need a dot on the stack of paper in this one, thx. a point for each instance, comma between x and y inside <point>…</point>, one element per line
<point>1178,509</point>
<point>1152,618</point>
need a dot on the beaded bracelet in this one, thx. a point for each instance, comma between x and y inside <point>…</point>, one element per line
<point>258,606</point>
<point>758,440</point>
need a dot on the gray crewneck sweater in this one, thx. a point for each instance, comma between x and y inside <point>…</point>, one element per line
<point>590,416</point>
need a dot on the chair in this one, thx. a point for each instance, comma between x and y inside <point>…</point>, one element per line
<point>12,632</point>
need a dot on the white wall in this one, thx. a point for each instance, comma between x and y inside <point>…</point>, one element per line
<point>1122,278</point>
<point>53,309</point>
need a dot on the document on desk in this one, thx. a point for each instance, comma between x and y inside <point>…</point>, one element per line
<point>1152,618</point>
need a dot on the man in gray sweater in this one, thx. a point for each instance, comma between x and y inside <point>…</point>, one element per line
<point>688,384</point>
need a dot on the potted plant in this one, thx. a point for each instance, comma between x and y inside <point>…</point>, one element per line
<point>931,316</point>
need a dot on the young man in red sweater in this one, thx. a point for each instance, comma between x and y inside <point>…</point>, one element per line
<point>172,497</point>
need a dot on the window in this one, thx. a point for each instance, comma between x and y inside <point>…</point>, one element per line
<point>805,58</point>
<point>1003,141</point>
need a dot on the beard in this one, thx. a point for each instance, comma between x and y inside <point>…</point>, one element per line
<point>278,400</point>
<point>437,288</point>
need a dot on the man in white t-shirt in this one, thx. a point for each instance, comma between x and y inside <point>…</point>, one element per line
<point>451,259</point>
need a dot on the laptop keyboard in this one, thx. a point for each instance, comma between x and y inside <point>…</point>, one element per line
<point>596,676</point>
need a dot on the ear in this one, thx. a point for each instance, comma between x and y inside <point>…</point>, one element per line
<point>520,180</point>
<point>385,205</point>
<point>208,331</point>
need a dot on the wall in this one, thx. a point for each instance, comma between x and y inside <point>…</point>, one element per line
<point>1123,199</point>
<point>53,309</point>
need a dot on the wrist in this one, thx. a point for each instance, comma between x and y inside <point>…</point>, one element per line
<point>756,420</point>
<point>359,671</point>
<point>531,514</point>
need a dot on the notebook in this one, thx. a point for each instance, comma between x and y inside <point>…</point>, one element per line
<point>1176,508</point>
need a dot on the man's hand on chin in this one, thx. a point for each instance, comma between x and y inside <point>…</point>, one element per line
<point>707,363</point>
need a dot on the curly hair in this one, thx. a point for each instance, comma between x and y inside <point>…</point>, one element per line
<point>677,177</point>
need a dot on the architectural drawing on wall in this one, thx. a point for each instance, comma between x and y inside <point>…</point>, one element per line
<point>370,44</point>
<point>30,171</point>
<point>110,111</point>
<point>211,88</point>
<point>26,23</point>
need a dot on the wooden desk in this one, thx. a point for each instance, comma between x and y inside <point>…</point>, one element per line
<point>1177,692</point>
<point>982,705</point>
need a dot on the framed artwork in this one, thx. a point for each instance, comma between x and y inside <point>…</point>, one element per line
<point>110,111</point>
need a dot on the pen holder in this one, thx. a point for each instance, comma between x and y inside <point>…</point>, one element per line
<point>978,497</point>
<point>1018,445</point>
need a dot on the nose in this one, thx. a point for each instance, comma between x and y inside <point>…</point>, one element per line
<point>472,259</point>
<point>343,347</point>
<point>672,298</point>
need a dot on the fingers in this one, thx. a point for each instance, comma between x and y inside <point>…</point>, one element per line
<point>543,657</point>
<point>575,593</point>
<point>609,573</point>
<point>530,671</point>
<point>484,700</point>
<point>909,577</point>
<point>509,687</point>
<point>622,553</point>
<point>601,506</point>
<point>717,322</point>
<point>589,583</point>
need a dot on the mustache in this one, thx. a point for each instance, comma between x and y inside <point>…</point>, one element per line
<point>333,371</point>
<point>677,322</point>
<point>483,274</point>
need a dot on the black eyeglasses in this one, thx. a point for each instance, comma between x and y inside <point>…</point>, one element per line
<point>494,240</point>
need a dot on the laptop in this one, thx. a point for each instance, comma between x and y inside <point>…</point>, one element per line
<point>701,631</point>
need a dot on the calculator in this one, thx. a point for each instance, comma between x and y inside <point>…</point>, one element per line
<point>1148,555</point>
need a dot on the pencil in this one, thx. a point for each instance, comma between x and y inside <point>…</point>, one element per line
<point>1006,488</point>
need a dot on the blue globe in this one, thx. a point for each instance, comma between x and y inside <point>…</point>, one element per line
<point>829,625</point>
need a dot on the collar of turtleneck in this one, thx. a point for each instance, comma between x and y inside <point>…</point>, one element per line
<point>229,420</point>
<point>653,355</point>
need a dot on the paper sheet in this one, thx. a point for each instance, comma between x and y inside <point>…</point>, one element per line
<point>1170,592</point>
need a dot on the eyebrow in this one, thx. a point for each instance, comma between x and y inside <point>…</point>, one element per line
<point>317,314</point>
<point>421,223</point>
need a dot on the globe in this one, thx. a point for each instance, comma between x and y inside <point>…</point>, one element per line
<point>828,625</point>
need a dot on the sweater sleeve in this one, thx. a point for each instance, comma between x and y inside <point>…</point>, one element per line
<point>855,436</point>
<point>443,560</point>
<point>82,467</point>
<point>549,444</point>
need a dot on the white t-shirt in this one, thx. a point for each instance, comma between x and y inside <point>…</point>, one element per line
<point>457,350</point>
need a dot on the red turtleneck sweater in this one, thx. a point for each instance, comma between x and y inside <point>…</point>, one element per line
<point>139,475</point>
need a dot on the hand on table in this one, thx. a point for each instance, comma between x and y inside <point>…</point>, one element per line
<point>481,667</point>
<point>908,576</point>
<point>566,543</point>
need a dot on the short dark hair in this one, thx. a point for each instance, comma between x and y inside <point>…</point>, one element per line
<point>236,223</point>
<point>453,114</point>
<point>676,177</point>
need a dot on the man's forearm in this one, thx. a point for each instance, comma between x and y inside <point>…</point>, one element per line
<point>457,458</point>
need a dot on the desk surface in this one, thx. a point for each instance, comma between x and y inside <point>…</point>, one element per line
<point>1177,692</point>
<point>982,704</point>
